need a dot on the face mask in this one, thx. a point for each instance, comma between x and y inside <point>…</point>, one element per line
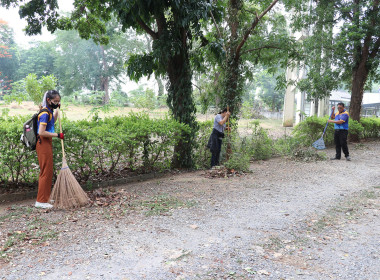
<point>54,106</point>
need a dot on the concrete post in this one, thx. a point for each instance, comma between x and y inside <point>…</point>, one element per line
<point>300,96</point>
<point>288,117</point>
<point>323,107</point>
<point>314,105</point>
<point>300,111</point>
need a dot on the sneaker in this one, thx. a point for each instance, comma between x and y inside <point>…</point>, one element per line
<point>334,158</point>
<point>348,158</point>
<point>43,205</point>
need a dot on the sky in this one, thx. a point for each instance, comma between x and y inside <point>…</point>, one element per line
<point>12,17</point>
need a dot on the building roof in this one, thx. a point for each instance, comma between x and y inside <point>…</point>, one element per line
<point>371,97</point>
<point>340,96</point>
<point>368,97</point>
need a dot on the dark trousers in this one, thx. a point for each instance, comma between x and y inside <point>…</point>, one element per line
<point>215,153</point>
<point>340,139</point>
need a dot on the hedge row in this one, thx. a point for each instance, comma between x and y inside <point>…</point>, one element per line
<point>115,146</point>
<point>94,149</point>
<point>311,129</point>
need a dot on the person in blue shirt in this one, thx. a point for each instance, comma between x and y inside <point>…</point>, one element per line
<point>340,120</point>
<point>44,147</point>
<point>215,140</point>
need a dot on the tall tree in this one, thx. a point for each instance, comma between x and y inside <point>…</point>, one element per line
<point>9,58</point>
<point>178,23</point>
<point>321,77</point>
<point>248,36</point>
<point>38,59</point>
<point>354,46</point>
<point>83,64</point>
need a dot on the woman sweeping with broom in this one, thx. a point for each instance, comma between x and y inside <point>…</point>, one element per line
<point>44,147</point>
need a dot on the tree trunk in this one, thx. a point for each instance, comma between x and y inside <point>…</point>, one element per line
<point>232,90</point>
<point>105,87</point>
<point>359,78</point>
<point>105,79</point>
<point>182,106</point>
<point>232,94</point>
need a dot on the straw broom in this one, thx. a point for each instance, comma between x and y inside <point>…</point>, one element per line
<point>67,193</point>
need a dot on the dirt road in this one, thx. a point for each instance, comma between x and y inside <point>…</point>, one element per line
<point>285,220</point>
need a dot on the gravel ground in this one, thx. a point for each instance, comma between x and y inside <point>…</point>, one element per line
<point>285,220</point>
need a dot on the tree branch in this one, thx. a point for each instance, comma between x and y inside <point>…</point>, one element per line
<point>260,48</point>
<point>217,29</point>
<point>344,13</point>
<point>216,26</point>
<point>200,90</point>
<point>146,28</point>
<point>161,23</point>
<point>373,23</point>
<point>375,49</point>
<point>254,24</point>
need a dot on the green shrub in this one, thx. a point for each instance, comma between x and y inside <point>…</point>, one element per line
<point>295,149</point>
<point>202,154</point>
<point>311,129</point>
<point>94,148</point>
<point>258,145</point>
<point>355,128</point>
<point>286,145</point>
<point>371,127</point>
<point>238,162</point>
<point>17,164</point>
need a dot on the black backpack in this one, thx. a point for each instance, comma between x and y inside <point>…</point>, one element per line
<point>29,136</point>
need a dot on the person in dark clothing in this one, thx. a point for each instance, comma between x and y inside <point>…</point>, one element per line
<point>340,121</point>
<point>215,140</point>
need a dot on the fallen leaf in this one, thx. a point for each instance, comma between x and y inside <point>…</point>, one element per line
<point>263,272</point>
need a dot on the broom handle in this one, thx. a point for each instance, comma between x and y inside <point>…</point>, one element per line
<point>60,129</point>
<point>228,122</point>
<point>332,111</point>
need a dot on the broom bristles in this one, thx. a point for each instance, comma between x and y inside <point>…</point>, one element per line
<point>67,193</point>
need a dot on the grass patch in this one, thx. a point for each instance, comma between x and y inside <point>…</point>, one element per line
<point>359,146</point>
<point>15,213</point>
<point>162,204</point>
<point>349,209</point>
<point>274,243</point>
<point>23,227</point>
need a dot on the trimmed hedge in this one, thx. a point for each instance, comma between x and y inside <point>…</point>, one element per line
<point>371,127</point>
<point>96,148</point>
<point>311,129</point>
<point>16,163</point>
